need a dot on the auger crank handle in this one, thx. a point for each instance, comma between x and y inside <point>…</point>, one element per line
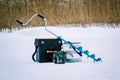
<point>41,16</point>
<point>19,22</point>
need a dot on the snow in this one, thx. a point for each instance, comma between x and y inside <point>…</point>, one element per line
<point>16,49</point>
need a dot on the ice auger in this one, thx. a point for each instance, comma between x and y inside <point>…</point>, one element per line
<point>79,49</point>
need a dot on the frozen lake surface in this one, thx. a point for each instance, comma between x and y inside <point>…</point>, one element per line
<point>16,49</point>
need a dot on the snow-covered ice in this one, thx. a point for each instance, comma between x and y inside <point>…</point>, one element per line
<point>16,49</point>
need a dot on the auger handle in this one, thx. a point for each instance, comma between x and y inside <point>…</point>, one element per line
<point>24,24</point>
<point>41,16</point>
<point>19,22</point>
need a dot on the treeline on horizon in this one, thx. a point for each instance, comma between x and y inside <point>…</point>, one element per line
<point>59,12</point>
